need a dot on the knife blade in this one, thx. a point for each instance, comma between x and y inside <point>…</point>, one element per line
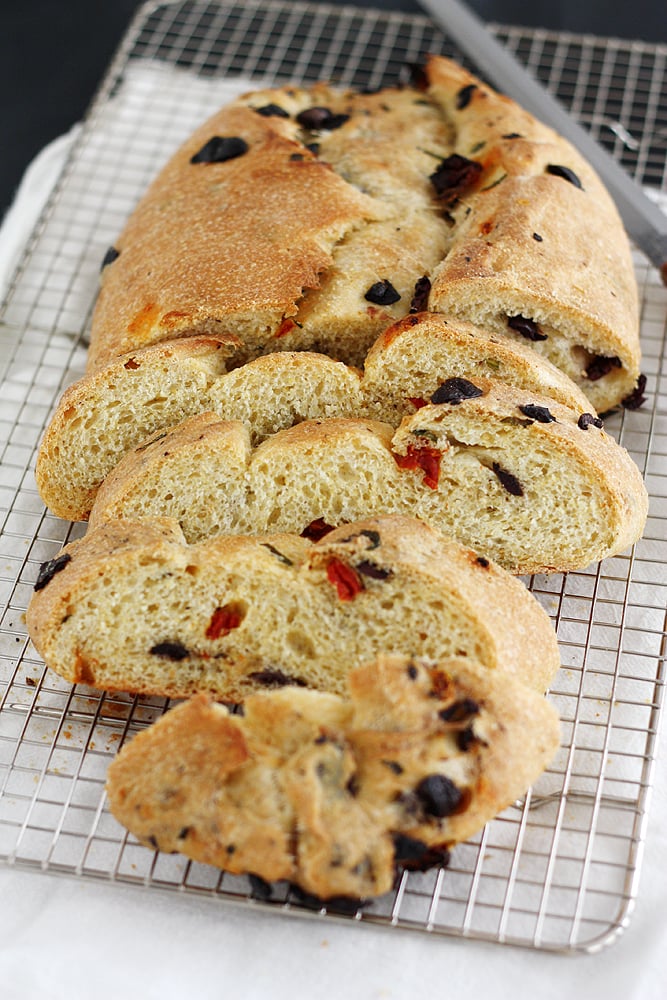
<point>644,222</point>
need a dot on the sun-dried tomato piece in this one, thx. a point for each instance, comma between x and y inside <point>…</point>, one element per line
<point>454,176</point>
<point>427,459</point>
<point>223,620</point>
<point>421,293</point>
<point>316,529</point>
<point>286,327</point>
<point>345,579</point>
<point>417,402</point>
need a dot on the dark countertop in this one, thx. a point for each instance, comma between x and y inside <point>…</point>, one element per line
<point>53,56</point>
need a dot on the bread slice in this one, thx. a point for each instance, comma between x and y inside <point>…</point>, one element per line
<point>336,795</point>
<point>512,474</point>
<point>311,218</point>
<point>132,607</point>
<point>112,410</point>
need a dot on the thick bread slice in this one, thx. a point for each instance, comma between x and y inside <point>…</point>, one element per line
<point>512,475</point>
<point>132,607</point>
<point>338,210</point>
<point>108,412</point>
<point>337,795</point>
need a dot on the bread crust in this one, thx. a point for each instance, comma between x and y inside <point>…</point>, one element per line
<point>335,794</point>
<point>279,246</point>
<point>131,606</point>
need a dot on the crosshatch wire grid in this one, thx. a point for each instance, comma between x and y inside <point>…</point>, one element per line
<point>558,871</point>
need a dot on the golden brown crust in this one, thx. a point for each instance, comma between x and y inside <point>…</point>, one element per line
<point>130,587</point>
<point>333,794</point>
<point>279,246</point>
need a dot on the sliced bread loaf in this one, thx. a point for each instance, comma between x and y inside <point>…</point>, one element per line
<point>112,410</point>
<point>337,795</point>
<point>518,477</point>
<point>131,606</point>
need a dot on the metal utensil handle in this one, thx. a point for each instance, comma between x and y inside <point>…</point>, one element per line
<point>643,220</point>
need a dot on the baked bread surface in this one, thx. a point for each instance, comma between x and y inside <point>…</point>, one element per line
<point>337,794</point>
<point>322,231</point>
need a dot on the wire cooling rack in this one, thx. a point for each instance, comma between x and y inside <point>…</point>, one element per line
<point>557,871</point>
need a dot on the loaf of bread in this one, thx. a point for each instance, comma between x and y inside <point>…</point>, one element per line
<point>336,795</point>
<point>132,607</point>
<point>515,476</point>
<point>112,410</point>
<point>311,218</point>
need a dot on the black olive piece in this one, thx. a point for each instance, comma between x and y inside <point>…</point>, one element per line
<point>382,293</point>
<point>259,887</point>
<point>413,673</point>
<point>537,237</point>
<point>272,111</point>
<point>417,76</point>
<point>48,570</point>
<point>421,293</point>
<point>220,148</point>
<point>315,119</point>
<point>636,398</point>
<point>393,766</point>
<point>415,855</point>
<point>566,173</point>
<point>542,414</point>
<point>169,650</point>
<point>464,96</point>
<point>372,570</point>
<point>509,482</point>
<point>336,904</point>
<point>512,135</point>
<point>279,555</point>
<point>586,420</point>
<point>528,328</point>
<point>438,795</point>
<point>601,366</point>
<point>459,710</point>
<point>275,679</point>
<point>482,561</point>
<point>110,256</point>
<point>465,739</point>
<point>455,390</point>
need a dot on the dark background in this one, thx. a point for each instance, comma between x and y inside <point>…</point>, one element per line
<point>54,54</point>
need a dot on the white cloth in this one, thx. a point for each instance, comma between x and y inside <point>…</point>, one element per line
<point>77,939</point>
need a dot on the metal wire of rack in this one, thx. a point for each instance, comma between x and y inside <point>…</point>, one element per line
<point>557,871</point>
